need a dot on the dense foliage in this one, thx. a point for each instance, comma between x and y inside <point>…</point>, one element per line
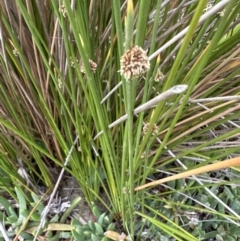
<point>78,80</point>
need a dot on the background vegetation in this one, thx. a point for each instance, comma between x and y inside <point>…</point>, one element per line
<point>59,59</point>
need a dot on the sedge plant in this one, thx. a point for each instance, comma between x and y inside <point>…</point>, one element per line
<point>78,80</point>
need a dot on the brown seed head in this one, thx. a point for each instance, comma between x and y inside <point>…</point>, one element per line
<point>93,66</point>
<point>159,76</point>
<point>154,130</point>
<point>134,63</point>
<point>63,10</point>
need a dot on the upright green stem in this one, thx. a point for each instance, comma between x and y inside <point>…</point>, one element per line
<point>130,101</point>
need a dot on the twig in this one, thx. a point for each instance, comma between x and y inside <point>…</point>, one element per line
<point>223,98</point>
<point>46,209</point>
<point>4,233</point>
<point>151,103</point>
<point>110,92</point>
<point>212,167</point>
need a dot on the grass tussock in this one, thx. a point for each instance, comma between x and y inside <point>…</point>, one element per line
<point>117,94</point>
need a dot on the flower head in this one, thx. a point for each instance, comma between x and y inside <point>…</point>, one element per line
<point>154,130</point>
<point>134,63</point>
<point>63,10</point>
<point>159,76</point>
<point>93,66</point>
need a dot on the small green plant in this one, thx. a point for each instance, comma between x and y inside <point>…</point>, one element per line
<point>93,231</point>
<point>23,220</point>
